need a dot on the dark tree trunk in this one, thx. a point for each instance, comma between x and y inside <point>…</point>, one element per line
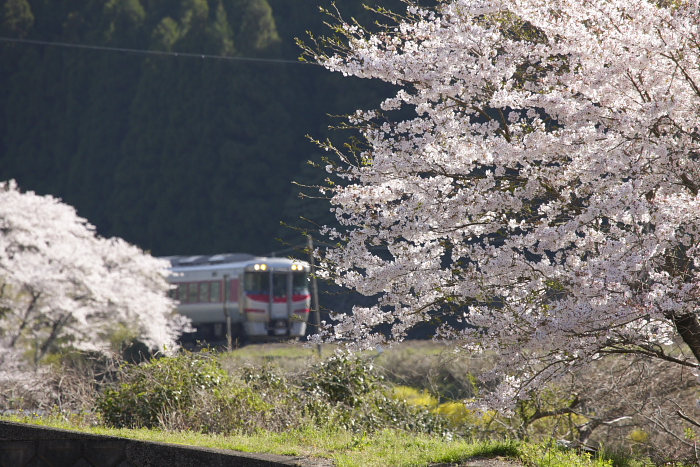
<point>688,328</point>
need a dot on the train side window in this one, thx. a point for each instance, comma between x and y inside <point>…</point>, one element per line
<point>193,292</point>
<point>182,292</point>
<point>233,290</point>
<point>203,292</point>
<point>215,291</point>
<point>172,293</point>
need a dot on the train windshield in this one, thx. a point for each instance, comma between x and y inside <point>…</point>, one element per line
<point>300,283</point>
<point>257,283</point>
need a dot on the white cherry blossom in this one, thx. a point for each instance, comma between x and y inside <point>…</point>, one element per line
<point>61,285</point>
<point>545,190</point>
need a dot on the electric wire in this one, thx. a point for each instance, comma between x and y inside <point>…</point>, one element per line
<point>152,52</point>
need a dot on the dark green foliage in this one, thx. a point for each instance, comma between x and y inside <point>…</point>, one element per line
<point>342,379</point>
<point>348,392</point>
<point>147,391</point>
<point>190,391</point>
<point>177,155</point>
<point>17,17</point>
<point>193,392</point>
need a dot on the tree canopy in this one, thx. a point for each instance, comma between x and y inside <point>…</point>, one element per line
<point>63,287</point>
<point>544,193</point>
<point>178,155</point>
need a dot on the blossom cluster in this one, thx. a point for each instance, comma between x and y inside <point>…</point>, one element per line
<point>61,285</point>
<point>545,191</point>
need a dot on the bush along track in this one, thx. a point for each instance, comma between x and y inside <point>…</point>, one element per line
<point>192,391</point>
<point>339,408</point>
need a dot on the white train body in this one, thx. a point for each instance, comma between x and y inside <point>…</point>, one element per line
<point>266,298</point>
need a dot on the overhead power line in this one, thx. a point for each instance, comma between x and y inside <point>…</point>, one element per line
<point>151,52</point>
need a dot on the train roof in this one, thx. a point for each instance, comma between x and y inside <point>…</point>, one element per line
<point>206,260</point>
<point>222,261</point>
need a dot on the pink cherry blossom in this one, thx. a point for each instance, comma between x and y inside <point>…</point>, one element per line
<point>545,190</point>
<point>62,285</point>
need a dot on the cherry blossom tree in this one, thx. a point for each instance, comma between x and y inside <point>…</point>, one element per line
<point>543,190</point>
<point>62,286</point>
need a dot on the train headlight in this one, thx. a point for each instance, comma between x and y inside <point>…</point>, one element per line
<point>263,266</point>
<point>256,267</point>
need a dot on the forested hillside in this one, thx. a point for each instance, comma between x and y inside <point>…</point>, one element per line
<point>179,155</point>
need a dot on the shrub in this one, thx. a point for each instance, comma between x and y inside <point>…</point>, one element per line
<point>349,393</point>
<point>193,392</point>
<point>187,391</point>
<point>342,379</point>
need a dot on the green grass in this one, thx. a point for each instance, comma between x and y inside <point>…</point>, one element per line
<point>549,455</point>
<point>293,350</point>
<point>290,357</point>
<point>276,350</point>
<point>346,449</point>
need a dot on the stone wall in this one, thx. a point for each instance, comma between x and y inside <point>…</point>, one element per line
<point>24,445</point>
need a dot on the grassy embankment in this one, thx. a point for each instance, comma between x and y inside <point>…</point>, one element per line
<point>347,449</point>
<point>423,368</point>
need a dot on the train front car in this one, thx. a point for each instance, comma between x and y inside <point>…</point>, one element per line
<point>248,297</point>
<point>275,298</point>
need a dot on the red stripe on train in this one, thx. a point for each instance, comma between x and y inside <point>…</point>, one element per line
<point>258,297</point>
<point>265,298</point>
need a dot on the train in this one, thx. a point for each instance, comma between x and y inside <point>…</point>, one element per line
<point>240,297</point>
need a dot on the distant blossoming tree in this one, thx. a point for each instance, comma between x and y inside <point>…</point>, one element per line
<point>545,190</point>
<point>62,286</point>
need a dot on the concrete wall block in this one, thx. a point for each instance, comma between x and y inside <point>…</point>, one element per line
<point>161,454</point>
<point>60,453</point>
<point>16,453</point>
<point>25,445</point>
<point>83,463</point>
<point>105,453</point>
<point>37,462</point>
